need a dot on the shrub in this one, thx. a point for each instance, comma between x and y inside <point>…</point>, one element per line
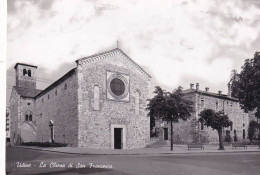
<point>228,137</point>
<point>44,144</point>
<point>253,125</point>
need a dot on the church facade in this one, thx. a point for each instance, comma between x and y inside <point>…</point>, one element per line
<point>99,104</point>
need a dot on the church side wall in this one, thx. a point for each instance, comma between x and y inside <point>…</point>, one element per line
<point>61,108</point>
<point>14,118</point>
<point>95,125</point>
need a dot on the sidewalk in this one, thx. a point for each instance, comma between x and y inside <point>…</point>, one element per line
<point>177,149</point>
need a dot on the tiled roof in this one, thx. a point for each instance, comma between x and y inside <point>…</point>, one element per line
<point>56,83</point>
<point>223,96</point>
<point>26,92</point>
<point>23,64</point>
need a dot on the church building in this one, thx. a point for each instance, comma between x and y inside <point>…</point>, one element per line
<point>98,104</point>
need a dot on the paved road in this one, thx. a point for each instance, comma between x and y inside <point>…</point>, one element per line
<point>174,164</point>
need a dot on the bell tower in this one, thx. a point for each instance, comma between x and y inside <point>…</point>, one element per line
<point>25,75</point>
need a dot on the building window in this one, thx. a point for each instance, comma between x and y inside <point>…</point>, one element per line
<point>231,126</point>
<point>28,104</point>
<point>65,86</point>
<point>24,72</point>
<point>201,125</point>
<point>28,116</point>
<point>29,73</point>
<point>243,125</point>
<point>244,134</point>
<point>56,92</point>
<point>216,105</point>
<point>96,97</point>
<point>137,98</point>
<point>202,103</point>
<point>48,96</point>
<point>42,100</point>
<point>117,86</point>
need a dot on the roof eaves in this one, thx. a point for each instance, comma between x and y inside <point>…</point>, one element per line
<point>95,55</point>
<point>24,65</point>
<point>57,82</point>
<point>135,63</point>
<point>112,51</point>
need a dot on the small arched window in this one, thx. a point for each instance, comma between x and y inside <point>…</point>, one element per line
<point>24,72</point>
<point>48,96</point>
<point>65,86</point>
<point>96,97</point>
<point>26,117</point>
<point>56,92</point>
<point>30,117</point>
<point>137,98</point>
<point>29,73</point>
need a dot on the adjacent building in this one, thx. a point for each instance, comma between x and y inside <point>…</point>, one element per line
<point>98,104</point>
<point>195,131</point>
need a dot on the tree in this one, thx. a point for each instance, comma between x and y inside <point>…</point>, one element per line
<point>228,138</point>
<point>253,125</point>
<point>170,107</point>
<point>216,120</point>
<point>248,85</point>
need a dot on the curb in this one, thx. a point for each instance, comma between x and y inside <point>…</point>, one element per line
<point>152,153</point>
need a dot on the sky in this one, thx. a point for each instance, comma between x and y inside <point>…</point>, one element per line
<point>176,42</point>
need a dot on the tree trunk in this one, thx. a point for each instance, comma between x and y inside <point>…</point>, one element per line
<point>259,138</point>
<point>171,137</point>
<point>221,147</point>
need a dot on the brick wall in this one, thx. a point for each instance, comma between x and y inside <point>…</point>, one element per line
<point>14,118</point>
<point>61,108</point>
<point>27,128</point>
<point>95,125</point>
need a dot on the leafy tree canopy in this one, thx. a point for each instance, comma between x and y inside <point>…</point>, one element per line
<point>248,85</point>
<point>216,120</point>
<point>170,106</point>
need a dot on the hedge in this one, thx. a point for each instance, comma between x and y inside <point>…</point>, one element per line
<point>44,144</point>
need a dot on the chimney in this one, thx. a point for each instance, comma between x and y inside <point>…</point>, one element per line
<point>229,89</point>
<point>207,89</point>
<point>191,85</point>
<point>197,86</point>
<point>219,92</point>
